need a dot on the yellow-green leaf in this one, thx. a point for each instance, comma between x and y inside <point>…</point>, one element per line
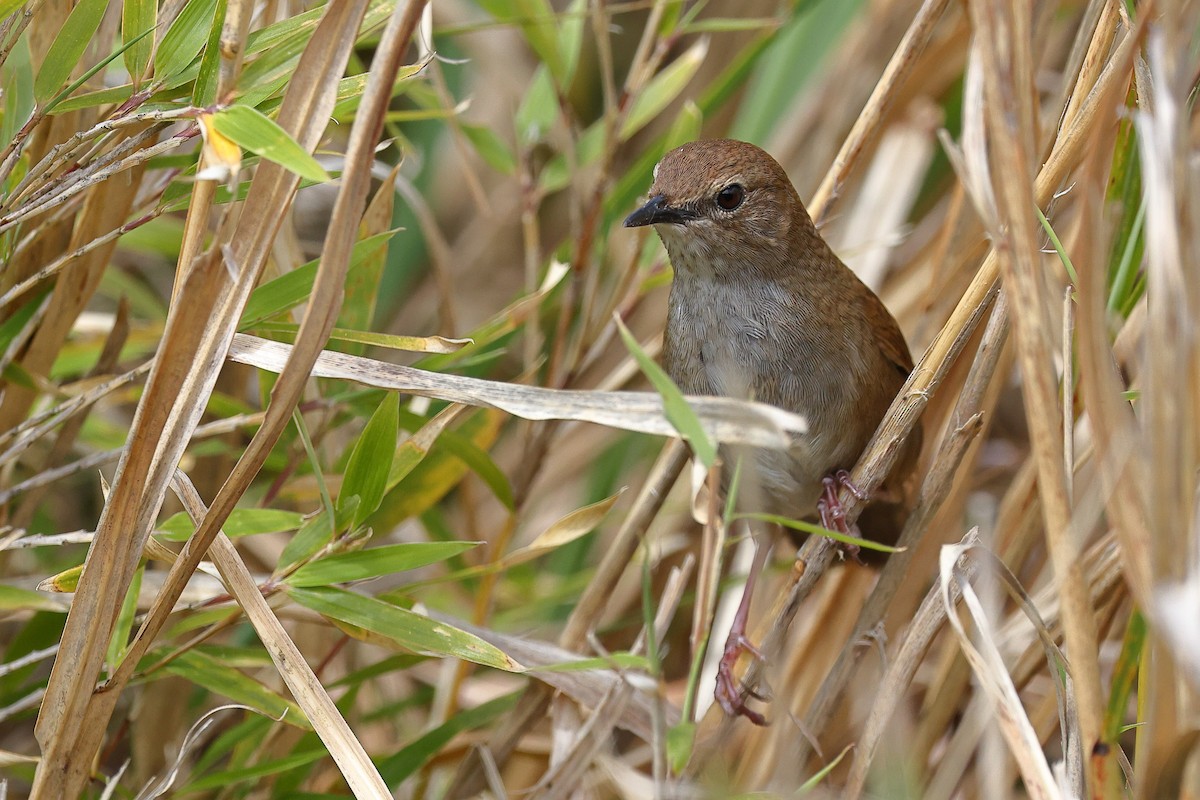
<point>182,42</point>
<point>241,522</point>
<point>258,133</point>
<point>567,529</point>
<point>663,88</point>
<point>204,670</point>
<point>137,18</point>
<point>371,460</point>
<point>364,564</point>
<point>678,412</point>
<point>67,48</point>
<point>407,629</point>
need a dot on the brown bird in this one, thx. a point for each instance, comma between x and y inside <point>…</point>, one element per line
<point>761,308</point>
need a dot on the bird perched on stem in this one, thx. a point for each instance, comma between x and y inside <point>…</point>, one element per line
<point>761,308</point>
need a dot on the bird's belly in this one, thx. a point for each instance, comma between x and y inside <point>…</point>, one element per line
<point>739,341</point>
<point>719,345</point>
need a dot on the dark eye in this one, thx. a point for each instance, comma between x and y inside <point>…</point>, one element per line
<point>731,196</point>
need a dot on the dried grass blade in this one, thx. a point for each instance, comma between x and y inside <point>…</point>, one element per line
<point>926,624</point>
<point>1004,37</point>
<point>989,669</point>
<point>867,124</point>
<point>729,421</point>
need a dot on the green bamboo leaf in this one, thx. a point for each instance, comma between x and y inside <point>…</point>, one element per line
<point>558,172</point>
<point>9,6</point>
<point>538,110</point>
<point>482,464</point>
<point>205,670</point>
<point>138,17</point>
<point>292,288</point>
<point>1125,195</point>
<point>678,412</point>
<point>315,533</point>
<point>254,131</point>
<point>19,102</point>
<point>423,475</point>
<point>491,148</point>
<point>67,49</point>
<point>364,564</point>
<point>395,768</point>
<point>100,97</point>
<point>730,25</point>
<point>681,741</point>
<point>664,88</point>
<point>823,773</point>
<point>55,102</point>
<point>1124,676</point>
<point>1058,246</point>
<point>241,522</point>
<point>256,774</point>
<point>571,27</point>
<point>118,643</point>
<point>797,53</point>
<point>817,530</point>
<point>370,462</point>
<point>412,451</point>
<point>182,42</point>
<point>15,323</point>
<point>362,285</point>
<point>405,628</point>
<point>204,91</point>
<point>13,598</point>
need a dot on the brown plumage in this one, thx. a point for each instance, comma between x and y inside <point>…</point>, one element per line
<point>762,308</point>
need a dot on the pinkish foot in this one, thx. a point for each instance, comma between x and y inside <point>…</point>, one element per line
<point>833,513</point>
<point>728,693</point>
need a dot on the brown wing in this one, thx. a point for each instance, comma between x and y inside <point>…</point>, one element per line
<point>887,334</point>
<point>895,350</point>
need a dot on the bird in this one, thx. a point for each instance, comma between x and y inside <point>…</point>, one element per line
<point>761,308</point>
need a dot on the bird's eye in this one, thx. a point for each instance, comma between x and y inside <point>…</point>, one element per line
<point>731,196</point>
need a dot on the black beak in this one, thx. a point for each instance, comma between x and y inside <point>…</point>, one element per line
<point>655,211</point>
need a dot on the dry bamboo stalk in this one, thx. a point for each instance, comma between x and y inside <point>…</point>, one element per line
<point>867,124</point>
<point>1010,123</point>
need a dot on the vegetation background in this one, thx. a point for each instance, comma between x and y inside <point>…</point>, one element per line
<point>312,570</point>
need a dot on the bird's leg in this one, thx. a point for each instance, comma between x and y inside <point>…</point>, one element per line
<point>831,511</point>
<point>728,694</point>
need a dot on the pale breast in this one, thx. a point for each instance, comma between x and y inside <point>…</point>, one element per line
<point>748,339</point>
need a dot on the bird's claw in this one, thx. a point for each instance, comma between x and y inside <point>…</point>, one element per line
<point>728,693</point>
<point>833,513</point>
<point>842,477</point>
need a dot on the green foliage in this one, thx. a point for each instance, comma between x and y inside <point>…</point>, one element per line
<point>257,133</point>
<point>207,670</point>
<point>677,410</point>
<point>370,463</point>
<point>366,564</point>
<point>184,39</point>
<point>138,17</point>
<point>67,49</point>
<point>381,622</point>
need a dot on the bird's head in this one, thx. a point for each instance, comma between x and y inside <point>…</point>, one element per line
<point>719,204</point>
